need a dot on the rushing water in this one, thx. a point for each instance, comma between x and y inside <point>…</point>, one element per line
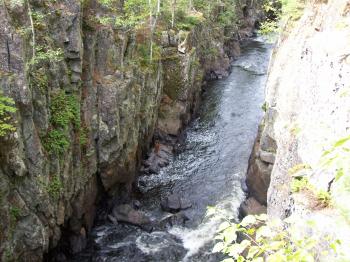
<point>209,171</point>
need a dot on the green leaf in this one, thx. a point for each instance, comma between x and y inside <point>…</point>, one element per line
<point>248,220</point>
<point>218,247</point>
<point>276,257</point>
<point>342,141</point>
<point>251,231</point>
<point>339,174</point>
<point>262,217</point>
<point>229,235</point>
<point>276,245</point>
<point>236,250</point>
<point>253,250</point>
<point>240,259</point>
<point>263,232</point>
<point>223,226</point>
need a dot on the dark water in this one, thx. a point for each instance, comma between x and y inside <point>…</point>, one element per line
<point>208,172</point>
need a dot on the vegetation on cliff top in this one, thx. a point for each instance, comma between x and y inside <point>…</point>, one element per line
<point>281,12</point>
<point>150,17</point>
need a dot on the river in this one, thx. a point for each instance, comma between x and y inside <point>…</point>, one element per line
<point>208,171</point>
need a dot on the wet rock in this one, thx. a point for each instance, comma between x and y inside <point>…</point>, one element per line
<point>174,203</point>
<point>158,158</point>
<point>112,219</point>
<point>161,246</point>
<point>126,213</point>
<point>136,204</point>
<point>252,207</point>
<point>170,220</point>
<point>78,242</point>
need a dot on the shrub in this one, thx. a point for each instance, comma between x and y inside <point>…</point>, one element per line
<point>56,141</point>
<point>6,109</point>
<point>55,186</point>
<point>257,240</point>
<point>65,110</point>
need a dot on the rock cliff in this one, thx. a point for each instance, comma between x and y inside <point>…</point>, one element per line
<point>307,110</point>
<point>87,110</point>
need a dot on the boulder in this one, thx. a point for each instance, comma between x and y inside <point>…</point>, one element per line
<point>158,158</point>
<point>268,157</point>
<point>169,220</point>
<point>126,213</point>
<point>258,179</point>
<point>174,203</point>
<point>252,207</point>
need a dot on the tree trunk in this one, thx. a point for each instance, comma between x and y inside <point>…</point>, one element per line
<point>173,13</point>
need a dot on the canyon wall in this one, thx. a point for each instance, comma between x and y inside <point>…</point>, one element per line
<point>88,106</point>
<point>307,111</point>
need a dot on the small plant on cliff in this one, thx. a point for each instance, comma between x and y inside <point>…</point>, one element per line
<point>56,141</point>
<point>45,54</point>
<point>15,213</point>
<point>265,106</point>
<point>336,159</point>
<point>300,184</point>
<point>55,186</point>
<point>6,109</point>
<point>65,109</point>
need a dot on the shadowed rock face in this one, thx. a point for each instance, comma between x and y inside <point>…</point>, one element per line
<point>52,170</point>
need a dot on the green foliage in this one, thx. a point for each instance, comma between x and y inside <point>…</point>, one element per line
<point>56,141</point>
<point>65,109</point>
<point>108,3</point>
<point>302,184</point>
<point>295,169</point>
<point>291,10</point>
<point>336,160</point>
<point>268,27</point>
<point>211,53</point>
<point>6,109</point>
<point>45,54</point>
<point>143,58</point>
<point>257,240</point>
<point>188,22</point>
<point>299,184</point>
<point>38,20</point>
<point>15,213</point>
<point>39,78</point>
<point>83,136</point>
<point>265,106</point>
<point>135,12</point>
<point>55,186</point>
<point>324,197</point>
<point>228,16</point>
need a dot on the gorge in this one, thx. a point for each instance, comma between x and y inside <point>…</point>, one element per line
<point>121,122</point>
